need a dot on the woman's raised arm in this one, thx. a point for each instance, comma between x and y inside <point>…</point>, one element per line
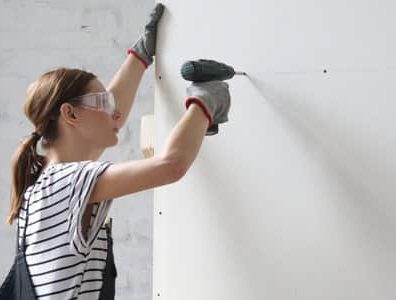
<point>126,81</point>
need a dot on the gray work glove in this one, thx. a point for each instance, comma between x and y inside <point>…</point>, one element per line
<point>144,47</point>
<point>215,100</point>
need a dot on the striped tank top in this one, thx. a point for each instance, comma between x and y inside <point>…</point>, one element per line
<point>63,263</point>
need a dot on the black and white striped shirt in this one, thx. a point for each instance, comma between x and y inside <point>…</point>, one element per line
<point>62,262</point>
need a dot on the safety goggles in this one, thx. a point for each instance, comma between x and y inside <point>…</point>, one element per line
<point>102,101</point>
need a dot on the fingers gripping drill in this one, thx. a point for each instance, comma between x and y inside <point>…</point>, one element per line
<point>207,70</point>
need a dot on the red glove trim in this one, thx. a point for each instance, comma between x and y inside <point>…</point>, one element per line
<point>130,51</point>
<point>190,100</point>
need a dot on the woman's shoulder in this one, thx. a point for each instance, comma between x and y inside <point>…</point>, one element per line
<point>75,163</point>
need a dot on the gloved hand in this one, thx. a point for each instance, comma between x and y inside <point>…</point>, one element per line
<point>144,47</point>
<point>215,100</point>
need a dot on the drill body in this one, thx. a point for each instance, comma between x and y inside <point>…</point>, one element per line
<point>206,70</point>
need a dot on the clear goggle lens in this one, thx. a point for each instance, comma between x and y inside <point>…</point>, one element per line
<point>103,101</point>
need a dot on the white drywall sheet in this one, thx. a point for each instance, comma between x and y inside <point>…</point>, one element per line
<point>295,197</point>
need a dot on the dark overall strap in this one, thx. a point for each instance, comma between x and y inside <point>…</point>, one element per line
<point>110,271</point>
<point>23,243</point>
<point>23,281</point>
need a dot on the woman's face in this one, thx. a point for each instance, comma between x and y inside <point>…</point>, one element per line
<point>98,128</point>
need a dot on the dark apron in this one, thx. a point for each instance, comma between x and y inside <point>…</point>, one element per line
<point>18,284</point>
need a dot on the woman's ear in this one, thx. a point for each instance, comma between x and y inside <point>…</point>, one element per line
<point>68,113</point>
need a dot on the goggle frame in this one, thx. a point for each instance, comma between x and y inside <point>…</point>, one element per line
<point>100,101</point>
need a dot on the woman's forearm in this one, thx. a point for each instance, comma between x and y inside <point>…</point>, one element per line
<point>125,84</point>
<point>185,139</point>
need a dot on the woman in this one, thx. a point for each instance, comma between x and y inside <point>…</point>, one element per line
<point>64,196</point>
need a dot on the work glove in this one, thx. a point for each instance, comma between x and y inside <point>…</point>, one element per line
<point>144,47</point>
<point>215,100</point>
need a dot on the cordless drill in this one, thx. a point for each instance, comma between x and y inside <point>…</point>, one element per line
<point>207,70</point>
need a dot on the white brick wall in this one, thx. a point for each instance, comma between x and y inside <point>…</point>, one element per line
<point>39,35</point>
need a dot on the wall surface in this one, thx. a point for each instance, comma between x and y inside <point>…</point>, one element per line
<point>295,197</point>
<point>36,36</point>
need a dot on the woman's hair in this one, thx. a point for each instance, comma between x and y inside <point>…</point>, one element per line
<point>44,98</point>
